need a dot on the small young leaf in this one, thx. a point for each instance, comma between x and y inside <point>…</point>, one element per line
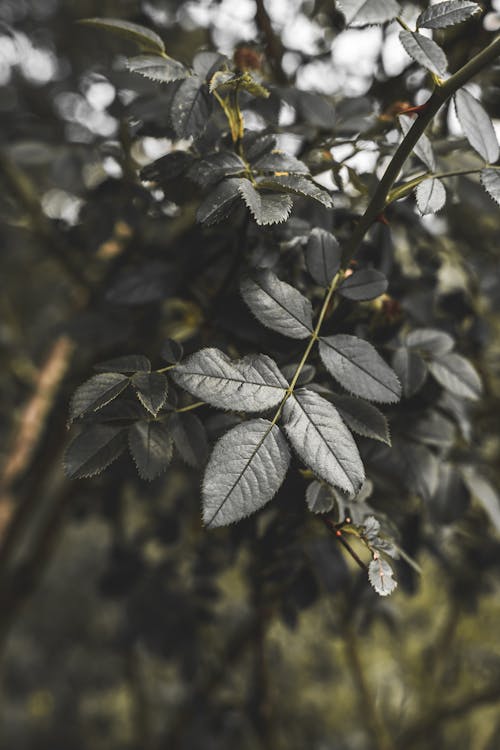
<point>422,148</point>
<point>410,369</point>
<point>318,434</point>
<point>431,196</point>
<point>150,444</point>
<point>323,256</point>
<point>219,202</point>
<point>130,363</point>
<point>145,38</point>
<point>363,285</point>
<point>244,472</point>
<point>151,389</point>
<point>490,180</point>
<point>424,51</point>
<point>319,498</point>
<point>357,366</point>
<point>266,208</point>
<point>298,185</point>
<point>430,341</point>
<point>253,383</point>
<point>96,392</point>
<point>171,351</point>
<point>278,305</point>
<point>214,167</point>
<point>162,69</point>
<point>362,418</point>
<point>190,438</point>
<point>447,14</point>
<point>381,576</point>
<point>365,12</point>
<point>191,108</point>
<point>477,126</point>
<point>457,375</point>
<point>93,450</point>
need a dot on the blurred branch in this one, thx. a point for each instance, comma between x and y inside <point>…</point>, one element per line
<point>274,46</point>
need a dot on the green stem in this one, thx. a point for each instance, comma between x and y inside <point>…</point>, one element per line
<point>196,405</point>
<point>403,190</point>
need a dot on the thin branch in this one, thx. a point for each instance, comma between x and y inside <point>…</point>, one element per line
<point>274,47</point>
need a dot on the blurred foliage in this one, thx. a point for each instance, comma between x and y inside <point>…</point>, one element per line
<point>124,623</point>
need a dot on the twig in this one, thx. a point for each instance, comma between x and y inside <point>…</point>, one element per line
<point>274,47</point>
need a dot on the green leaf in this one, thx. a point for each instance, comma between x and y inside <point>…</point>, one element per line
<point>424,51</point>
<point>96,392</point>
<point>410,369</point>
<point>457,375</point>
<point>452,497</point>
<point>278,305</point>
<point>162,69</point>
<point>251,384</point>
<point>447,14</point>
<point>323,256</point>
<point>244,472</point>
<point>416,466</point>
<point>93,450</point>
<point>219,202</point>
<point>490,180</point>
<point>422,148</point>
<point>485,492</point>
<point>145,38</point>
<point>190,438</point>
<point>171,351</point>
<point>359,369</point>
<point>365,12</point>
<point>168,167</point>
<point>433,429</point>
<point>214,167</point>
<point>150,445</point>
<point>477,126</point>
<point>129,363</point>
<point>321,439</point>
<point>191,108</point>
<point>431,196</point>
<point>151,389</point>
<point>362,418</point>
<point>363,285</point>
<point>381,576</point>
<point>430,341</point>
<point>298,185</point>
<point>279,161</point>
<point>319,498</point>
<point>266,208</point>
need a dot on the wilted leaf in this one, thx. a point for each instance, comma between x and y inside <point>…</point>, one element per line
<point>93,450</point>
<point>447,14</point>
<point>363,285</point>
<point>96,392</point>
<point>477,126</point>
<point>150,444</point>
<point>278,305</point>
<point>323,256</point>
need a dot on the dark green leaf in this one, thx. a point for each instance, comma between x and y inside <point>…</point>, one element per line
<point>477,126</point>
<point>213,167</point>
<point>447,14</point>
<point>96,392</point>
<point>219,202</point>
<point>410,369</point>
<point>191,108</point>
<point>318,434</point>
<point>365,12</point>
<point>150,444</point>
<point>190,438</point>
<point>244,472</point>
<point>485,492</point>
<point>435,430</point>
<point>362,418</point>
<point>452,498</point>
<point>266,208</point>
<point>278,305</point>
<point>431,196</point>
<point>490,180</point>
<point>381,576</point>
<point>298,185</point>
<point>323,256</point>
<point>129,363</point>
<point>93,450</point>
<point>457,375</point>
<point>152,389</point>
<point>424,51</point>
<point>363,285</point>
<point>145,38</point>
<point>168,167</point>
<point>359,369</point>
<point>171,351</point>
<point>162,69</point>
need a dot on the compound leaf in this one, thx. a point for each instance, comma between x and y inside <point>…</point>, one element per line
<point>457,375</point>
<point>477,126</point>
<point>278,305</point>
<point>363,285</point>
<point>151,389</point>
<point>323,256</point>
<point>150,445</point>
<point>96,392</point>
<point>93,450</point>
<point>447,14</point>
<point>365,12</point>
<point>244,472</point>
<point>424,51</point>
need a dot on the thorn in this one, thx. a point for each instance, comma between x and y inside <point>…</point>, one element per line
<point>382,219</point>
<point>417,110</point>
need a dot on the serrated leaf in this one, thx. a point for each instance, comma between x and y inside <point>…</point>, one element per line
<point>298,185</point>
<point>319,436</point>
<point>266,208</point>
<point>129,363</point>
<point>424,51</point>
<point>323,256</point>
<point>214,167</point>
<point>278,305</point>
<point>190,437</point>
<point>219,202</point>
<point>363,285</point>
<point>93,450</point>
<point>148,40</point>
<point>162,69</point>
<point>191,108</point>
<point>253,383</point>
<point>490,180</point>
<point>410,369</point>
<point>357,366</point>
<point>477,126</point>
<point>362,418</point>
<point>457,375</point>
<point>244,472</point>
<point>171,351</point>
<point>279,161</point>
<point>447,14</point>
<point>430,341</point>
<point>96,392</point>
<point>422,148</point>
<point>151,389</point>
<point>381,576</point>
<point>150,445</point>
<point>365,12</point>
<point>319,498</point>
<point>485,492</point>
<point>431,196</point>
